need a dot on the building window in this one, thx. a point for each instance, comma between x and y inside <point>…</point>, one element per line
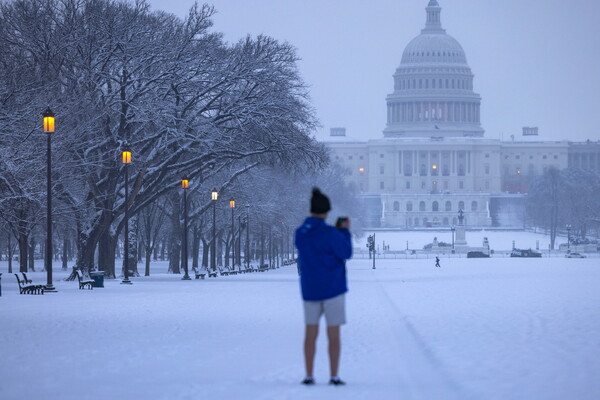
<point>445,185</point>
<point>422,206</point>
<point>423,170</point>
<point>487,169</point>
<point>435,206</point>
<point>473,205</point>
<point>555,157</point>
<point>446,221</point>
<point>349,157</point>
<point>360,158</point>
<point>396,206</point>
<point>448,206</point>
<point>408,184</point>
<point>381,185</point>
<point>423,185</point>
<point>487,155</point>
<point>545,157</point>
<point>518,157</point>
<point>461,185</point>
<point>409,206</point>
<point>381,155</point>
<point>381,169</point>
<point>461,205</point>
<point>487,184</point>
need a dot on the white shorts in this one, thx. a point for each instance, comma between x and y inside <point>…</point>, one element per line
<point>334,310</point>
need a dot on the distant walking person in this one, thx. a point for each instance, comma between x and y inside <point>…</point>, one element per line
<point>437,262</point>
<point>322,251</point>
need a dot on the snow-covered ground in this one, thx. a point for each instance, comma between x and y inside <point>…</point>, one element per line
<point>496,328</point>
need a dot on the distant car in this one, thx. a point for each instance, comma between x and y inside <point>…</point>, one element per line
<point>574,255</point>
<point>477,254</point>
<point>525,253</point>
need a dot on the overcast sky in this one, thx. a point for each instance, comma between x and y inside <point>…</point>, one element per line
<point>536,62</point>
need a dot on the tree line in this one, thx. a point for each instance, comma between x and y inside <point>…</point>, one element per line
<point>565,199</point>
<point>234,117</point>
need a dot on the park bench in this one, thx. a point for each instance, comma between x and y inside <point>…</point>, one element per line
<point>25,279</point>
<point>83,281</point>
<point>263,267</point>
<point>199,275</point>
<point>24,288</point>
<point>223,272</point>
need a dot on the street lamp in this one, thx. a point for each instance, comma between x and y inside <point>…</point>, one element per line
<point>48,116</point>
<point>232,206</point>
<point>185,184</point>
<point>126,159</point>
<point>452,228</point>
<point>213,259</point>
<point>569,237</point>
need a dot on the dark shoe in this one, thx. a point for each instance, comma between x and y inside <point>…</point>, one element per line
<point>336,382</point>
<point>308,381</point>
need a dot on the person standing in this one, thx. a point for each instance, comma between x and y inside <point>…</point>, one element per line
<point>322,251</point>
<point>437,262</point>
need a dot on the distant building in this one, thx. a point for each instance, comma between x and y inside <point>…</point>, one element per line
<point>433,158</point>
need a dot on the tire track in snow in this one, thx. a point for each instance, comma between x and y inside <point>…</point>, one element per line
<point>426,373</point>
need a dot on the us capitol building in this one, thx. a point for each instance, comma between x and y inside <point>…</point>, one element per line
<point>434,160</point>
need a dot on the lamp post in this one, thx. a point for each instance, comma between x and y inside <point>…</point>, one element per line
<point>569,237</point>
<point>452,228</point>
<point>232,206</point>
<point>248,236</point>
<point>239,243</point>
<point>48,116</point>
<point>213,259</point>
<point>126,158</point>
<point>185,183</point>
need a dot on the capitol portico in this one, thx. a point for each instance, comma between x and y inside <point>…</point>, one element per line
<point>433,159</point>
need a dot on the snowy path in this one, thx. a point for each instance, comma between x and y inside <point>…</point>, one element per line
<point>474,329</point>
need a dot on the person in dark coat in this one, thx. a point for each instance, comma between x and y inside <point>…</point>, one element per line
<point>322,251</point>
<point>437,262</point>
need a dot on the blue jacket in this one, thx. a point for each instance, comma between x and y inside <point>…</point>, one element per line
<point>322,251</point>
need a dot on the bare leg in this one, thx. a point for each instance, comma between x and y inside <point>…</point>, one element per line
<point>310,345</point>
<point>333,335</point>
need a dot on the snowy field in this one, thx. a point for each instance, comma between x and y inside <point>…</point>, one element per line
<point>475,329</point>
<point>499,240</point>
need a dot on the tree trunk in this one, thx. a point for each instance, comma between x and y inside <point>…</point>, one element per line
<point>195,246</point>
<point>175,240</point>
<point>31,259</point>
<point>23,250</point>
<point>65,253</point>
<point>227,250</point>
<point>132,253</point>
<point>147,259</point>
<point>107,254</point>
<point>10,253</point>
<point>205,250</point>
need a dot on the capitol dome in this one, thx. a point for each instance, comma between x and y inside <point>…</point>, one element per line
<point>433,87</point>
<point>434,48</point>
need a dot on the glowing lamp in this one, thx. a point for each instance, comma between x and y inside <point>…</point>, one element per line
<point>231,203</point>
<point>48,121</point>
<point>215,195</point>
<point>185,183</point>
<point>126,156</point>
<point>361,170</point>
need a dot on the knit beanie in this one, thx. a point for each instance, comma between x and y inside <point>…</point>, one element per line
<point>319,203</point>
